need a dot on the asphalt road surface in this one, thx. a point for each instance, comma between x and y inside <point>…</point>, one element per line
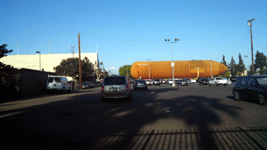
<point>163,117</point>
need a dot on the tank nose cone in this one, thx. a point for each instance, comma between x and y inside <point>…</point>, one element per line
<point>222,68</point>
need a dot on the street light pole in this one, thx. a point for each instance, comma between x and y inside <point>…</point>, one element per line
<point>39,59</point>
<point>172,64</point>
<point>149,67</point>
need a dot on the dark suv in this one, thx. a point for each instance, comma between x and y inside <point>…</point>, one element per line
<point>115,87</point>
<point>251,88</point>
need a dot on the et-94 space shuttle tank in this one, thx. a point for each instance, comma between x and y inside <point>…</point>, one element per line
<point>182,69</point>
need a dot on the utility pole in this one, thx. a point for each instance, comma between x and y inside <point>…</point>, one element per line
<point>211,76</point>
<point>72,50</point>
<point>17,48</point>
<point>80,63</point>
<point>250,24</point>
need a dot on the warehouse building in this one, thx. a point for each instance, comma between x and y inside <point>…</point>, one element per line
<point>45,62</point>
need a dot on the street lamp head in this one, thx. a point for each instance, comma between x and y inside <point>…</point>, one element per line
<point>165,40</point>
<point>168,39</point>
<point>176,39</point>
<point>38,52</point>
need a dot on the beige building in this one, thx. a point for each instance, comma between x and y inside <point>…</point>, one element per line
<point>48,61</point>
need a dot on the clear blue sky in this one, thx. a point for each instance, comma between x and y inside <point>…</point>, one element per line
<point>129,31</point>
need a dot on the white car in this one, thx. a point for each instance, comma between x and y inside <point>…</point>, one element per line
<point>193,81</point>
<point>219,81</point>
<point>170,81</point>
<point>59,83</point>
<point>148,81</point>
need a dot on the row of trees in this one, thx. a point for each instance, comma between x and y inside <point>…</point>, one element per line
<point>123,71</point>
<point>70,67</point>
<point>260,66</point>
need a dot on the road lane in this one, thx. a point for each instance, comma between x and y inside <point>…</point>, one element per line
<point>162,114</point>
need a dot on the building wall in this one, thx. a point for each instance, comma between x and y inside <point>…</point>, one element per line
<point>48,61</point>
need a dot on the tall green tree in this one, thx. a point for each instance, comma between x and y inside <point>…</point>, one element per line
<point>233,67</point>
<point>223,61</point>
<point>260,62</point>
<point>241,66</point>
<point>70,67</point>
<point>123,71</point>
<point>4,51</point>
<point>250,72</point>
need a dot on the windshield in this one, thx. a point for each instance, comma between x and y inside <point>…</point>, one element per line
<point>262,81</point>
<point>50,80</point>
<point>57,79</point>
<point>115,81</point>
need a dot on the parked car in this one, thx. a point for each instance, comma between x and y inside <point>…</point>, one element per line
<point>148,81</point>
<point>85,85</point>
<point>251,88</point>
<point>193,81</point>
<point>233,79</point>
<point>170,81</point>
<point>182,82</point>
<point>59,83</point>
<point>204,81</point>
<point>219,81</point>
<point>139,84</point>
<point>115,87</point>
<point>156,82</point>
<point>163,81</point>
<point>98,83</point>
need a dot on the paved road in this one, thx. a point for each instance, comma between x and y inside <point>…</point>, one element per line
<point>189,117</point>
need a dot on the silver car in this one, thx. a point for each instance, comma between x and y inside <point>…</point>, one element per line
<point>115,87</point>
<point>139,84</point>
<point>156,82</point>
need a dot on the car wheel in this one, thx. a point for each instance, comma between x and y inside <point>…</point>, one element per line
<point>209,84</point>
<point>262,99</point>
<point>237,96</point>
<point>216,84</point>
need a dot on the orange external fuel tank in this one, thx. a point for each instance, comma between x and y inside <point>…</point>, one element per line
<point>182,69</point>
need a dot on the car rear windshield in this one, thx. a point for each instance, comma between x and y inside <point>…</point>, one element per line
<point>262,81</point>
<point>51,79</point>
<point>115,81</point>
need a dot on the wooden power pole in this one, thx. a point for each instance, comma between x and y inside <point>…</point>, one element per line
<point>250,24</point>
<point>80,63</point>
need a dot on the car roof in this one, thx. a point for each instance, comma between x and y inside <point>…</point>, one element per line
<point>139,80</point>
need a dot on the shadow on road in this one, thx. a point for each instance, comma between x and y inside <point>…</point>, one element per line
<point>84,122</point>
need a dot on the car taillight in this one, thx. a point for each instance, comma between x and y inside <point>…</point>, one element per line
<point>127,87</point>
<point>102,88</point>
<point>145,83</point>
<point>135,83</point>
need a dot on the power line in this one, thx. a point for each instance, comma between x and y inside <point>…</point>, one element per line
<point>189,39</point>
